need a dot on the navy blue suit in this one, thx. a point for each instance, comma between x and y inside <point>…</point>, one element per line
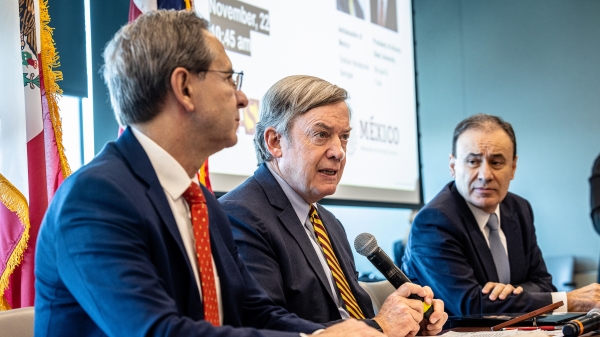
<point>273,243</point>
<point>448,252</point>
<point>110,260</point>
<point>595,196</point>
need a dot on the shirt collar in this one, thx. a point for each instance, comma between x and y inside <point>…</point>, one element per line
<point>301,207</point>
<point>172,176</point>
<point>482,217</point>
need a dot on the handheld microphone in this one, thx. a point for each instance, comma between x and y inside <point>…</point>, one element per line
<point>366,245</point>
<point>585,324</point>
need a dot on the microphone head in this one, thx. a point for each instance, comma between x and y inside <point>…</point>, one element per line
<point>594,312</point>
<point>365,244</point>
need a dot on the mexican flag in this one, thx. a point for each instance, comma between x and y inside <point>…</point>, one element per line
<point>32,159</point>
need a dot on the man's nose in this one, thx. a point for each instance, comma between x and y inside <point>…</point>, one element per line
<point>242,100</point>
<point>336,151</point>
<point>485,171</point>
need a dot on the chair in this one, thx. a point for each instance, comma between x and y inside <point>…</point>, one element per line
<point>562,270</point>
<point>16,322</point>
<point>378,291</point>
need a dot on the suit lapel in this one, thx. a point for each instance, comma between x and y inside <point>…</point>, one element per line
<point>221,255</point>
<point>289,220</point>
<point>510,228</point>
<point>337,239</point>
<point>481,246</point>
<point>140,164</point>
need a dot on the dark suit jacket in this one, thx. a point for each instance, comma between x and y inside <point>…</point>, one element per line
<point>595,195</point>
<point>447,251</point>
<point>110,260</point>
<point>273,243</point>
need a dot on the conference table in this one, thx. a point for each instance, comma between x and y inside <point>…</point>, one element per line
<point>475,329</point>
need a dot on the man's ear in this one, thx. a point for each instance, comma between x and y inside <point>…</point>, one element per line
<point>452,163</point>
<point>181,85</point>
<point>273,141</point>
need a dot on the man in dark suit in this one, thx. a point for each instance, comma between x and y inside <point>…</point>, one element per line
<point>131,245</point>
<point>294,247</point>
<point>475,242</point>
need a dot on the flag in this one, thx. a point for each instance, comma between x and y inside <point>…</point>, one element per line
<point>32,159</point>
<point>136,8</point>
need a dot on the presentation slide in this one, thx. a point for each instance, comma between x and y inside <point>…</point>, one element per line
<point>363,46</point>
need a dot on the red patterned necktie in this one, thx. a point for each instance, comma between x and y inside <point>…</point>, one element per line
<point>338,275</point>
<point>199,212</point>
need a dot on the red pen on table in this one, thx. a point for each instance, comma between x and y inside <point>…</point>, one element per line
<point>533,328</point>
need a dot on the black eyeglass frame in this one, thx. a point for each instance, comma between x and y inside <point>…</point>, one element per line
<point>237,80</point>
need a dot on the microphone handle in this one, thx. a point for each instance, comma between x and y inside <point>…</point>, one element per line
<point>576,327</point>
<point>397,278</point>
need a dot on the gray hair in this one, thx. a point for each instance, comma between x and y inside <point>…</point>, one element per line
<point>141,57</point>
<point>482,122</point>
<point>287,99</point>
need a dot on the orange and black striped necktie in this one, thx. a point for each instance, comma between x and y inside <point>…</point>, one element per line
<point>338,275</point>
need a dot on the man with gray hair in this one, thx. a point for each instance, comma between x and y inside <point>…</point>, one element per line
<point>131,245</point>
<point>294,247</point>
<point>475,242</point>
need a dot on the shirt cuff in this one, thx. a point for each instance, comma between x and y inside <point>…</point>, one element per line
<point>560,296</point>
<point>302,334</point>
<point>373,324</point>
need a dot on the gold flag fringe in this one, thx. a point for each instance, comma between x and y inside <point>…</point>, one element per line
<point>15,201</point>
<point>10,196</point>
<point>4,304</point>
<point>49,62</point>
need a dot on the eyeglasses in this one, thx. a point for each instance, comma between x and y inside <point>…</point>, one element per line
<point>236,77</point>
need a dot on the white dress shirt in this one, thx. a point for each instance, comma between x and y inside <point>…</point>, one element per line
<point>175,181</point>
<point>482,218</point>
<point>302,209</point>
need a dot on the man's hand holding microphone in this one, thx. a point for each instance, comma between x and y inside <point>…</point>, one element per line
<point>411,309</point>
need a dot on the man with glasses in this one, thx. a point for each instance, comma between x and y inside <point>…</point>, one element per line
<point>234,76</point>
<point>131,245</point>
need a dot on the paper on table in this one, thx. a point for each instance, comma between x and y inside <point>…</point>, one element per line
<point>556,333</point>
